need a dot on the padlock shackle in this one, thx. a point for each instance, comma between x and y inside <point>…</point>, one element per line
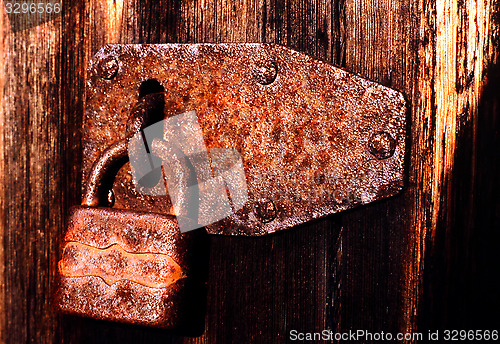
<point>105,167</point>
<point>147,110</point>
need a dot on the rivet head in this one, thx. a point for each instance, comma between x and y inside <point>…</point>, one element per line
<point>265,72</point>
<point>108,67</point>
<point>265,210</point>
<point>382,145</point>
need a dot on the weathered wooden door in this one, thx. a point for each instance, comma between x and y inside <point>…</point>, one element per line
<point>423,260</point>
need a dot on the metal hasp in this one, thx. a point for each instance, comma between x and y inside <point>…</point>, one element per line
<point>314,139</point>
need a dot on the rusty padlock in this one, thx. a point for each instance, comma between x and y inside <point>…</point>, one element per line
<point>129,266</point>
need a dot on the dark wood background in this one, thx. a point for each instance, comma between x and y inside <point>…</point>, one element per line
<point>426,259</point>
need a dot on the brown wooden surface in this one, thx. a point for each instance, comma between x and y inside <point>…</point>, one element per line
<point>426,259</point>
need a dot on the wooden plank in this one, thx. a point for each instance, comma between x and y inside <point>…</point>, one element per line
<point>376,241</point>
<point>403,249</point>
<point>32,170</point>
<point>459,85</point>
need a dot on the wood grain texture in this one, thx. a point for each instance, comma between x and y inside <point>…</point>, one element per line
<point>32,169</point>
<point>422,260</point>
<point>3,50</point>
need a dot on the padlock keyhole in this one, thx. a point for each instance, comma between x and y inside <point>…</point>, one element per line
<point>150,86</point>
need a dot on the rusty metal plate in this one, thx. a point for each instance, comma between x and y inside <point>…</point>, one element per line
<point>314,139</point>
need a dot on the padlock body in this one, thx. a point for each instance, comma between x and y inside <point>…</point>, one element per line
<point>131,267</point>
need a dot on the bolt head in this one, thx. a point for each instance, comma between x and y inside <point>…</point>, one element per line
<point>265,72</point>
<point>265,210</point>
<point>108,67</point>
<point>382,145</point>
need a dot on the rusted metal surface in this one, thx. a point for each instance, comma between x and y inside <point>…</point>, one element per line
<point>314,139</point>
<point>128,266</point>
<point>113,264</point>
